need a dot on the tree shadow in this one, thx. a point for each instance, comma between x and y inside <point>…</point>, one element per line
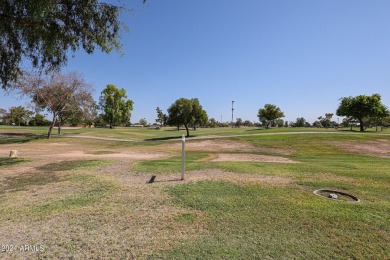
<point>163,138</point>
<point>4,162</point>
<point>17,138</point>
<point>153,180</point>
<point>174,130</point>
<point>23,182</point>
<point>255,130</point>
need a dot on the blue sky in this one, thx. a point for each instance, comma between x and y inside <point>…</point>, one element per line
<point>301,55</point>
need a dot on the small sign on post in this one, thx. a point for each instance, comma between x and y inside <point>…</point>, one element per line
<point>183,144</point>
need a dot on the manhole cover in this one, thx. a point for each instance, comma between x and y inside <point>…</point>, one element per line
<point>336,195</point>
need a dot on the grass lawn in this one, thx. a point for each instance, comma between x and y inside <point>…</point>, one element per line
<point>166,133</point>
<point>97,204</point>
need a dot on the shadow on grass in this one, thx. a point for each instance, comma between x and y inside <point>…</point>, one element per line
<point>257,129</point>
<point>17,138</point>
<point>18,183</point>
<point>4,162</point>
<point>163,138</point>
<point>68,165</point>
<point>172,180</point>
<point>174,130</point>
<point>46,174</point>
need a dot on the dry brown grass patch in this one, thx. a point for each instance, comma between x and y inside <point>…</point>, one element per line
<point>134,221</point>
<point>379,147</point>
<point>219,145</point>
<point>241,157</point>
<point>216,174</point>
<point>137,156</point>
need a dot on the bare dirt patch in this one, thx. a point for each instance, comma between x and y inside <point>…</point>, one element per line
<point>219,145</point>
<point>137,156</point>
<point>216,174</point>
<point>229,157</point>
<point>379,147</point>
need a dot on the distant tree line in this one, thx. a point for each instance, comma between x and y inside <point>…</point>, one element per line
<point>68,99</point>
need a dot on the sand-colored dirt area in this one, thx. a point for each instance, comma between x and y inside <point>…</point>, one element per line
<point>66,151</point>
<point>241,157</point>
<point>379,147</point>
<point>219,145</point>
<point>133,155</point>
<point>217,174</point>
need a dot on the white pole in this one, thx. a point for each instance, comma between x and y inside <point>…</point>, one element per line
<point>183,145</point>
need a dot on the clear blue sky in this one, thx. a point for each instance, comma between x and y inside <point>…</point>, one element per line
<point>302,55</point>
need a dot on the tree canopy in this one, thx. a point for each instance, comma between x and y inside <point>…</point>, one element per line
<point>269,113</point>
<point>44,31</point>
<point>115,105</point>
<point>161,117</point>
<point>57,93</point>
<point>361,107</point>
<point>19,115</point>
<point>187,112</point>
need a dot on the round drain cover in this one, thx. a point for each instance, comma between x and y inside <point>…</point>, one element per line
<point>336,195</point>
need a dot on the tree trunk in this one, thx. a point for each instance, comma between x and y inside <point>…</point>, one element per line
<point>188,131</point>
<point>361,125</point>
<point>51,126</point>
<point>266,127</point>
<point>59,126</point>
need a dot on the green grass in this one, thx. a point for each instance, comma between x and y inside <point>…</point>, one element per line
<point>18,139</point>
<point>71,165</point>
<point>236,221</point>
<point>255,221</point>
<point>4,162</point>
<point>193,161</point>
<point>95,189</point>
<point>150,134</point>
<point>90,188</point>
<point>47,174</point>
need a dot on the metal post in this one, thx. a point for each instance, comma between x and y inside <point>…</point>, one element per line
<point>183,146</point>
<point>232,113</point>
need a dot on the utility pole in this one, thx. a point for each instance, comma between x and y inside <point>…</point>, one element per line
<point>232,112</point>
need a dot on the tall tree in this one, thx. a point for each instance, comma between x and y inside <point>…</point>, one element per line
<point>180,113</point>
<point>58,93</point>
<point>361,107</point>
<point>90,113</point>
<point>269,114</point>
<point>238,122</point>
<point>19,115</point>
<point>300,122</point>
<point>187,112</point>
<point>3,116</point>
<point>45,32</point>
<point>199,116</point>
<point>383,112</point>
<point>143,122</point>
<point>328,118</point>
<point>161,117</point>
<point>115,105</point>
